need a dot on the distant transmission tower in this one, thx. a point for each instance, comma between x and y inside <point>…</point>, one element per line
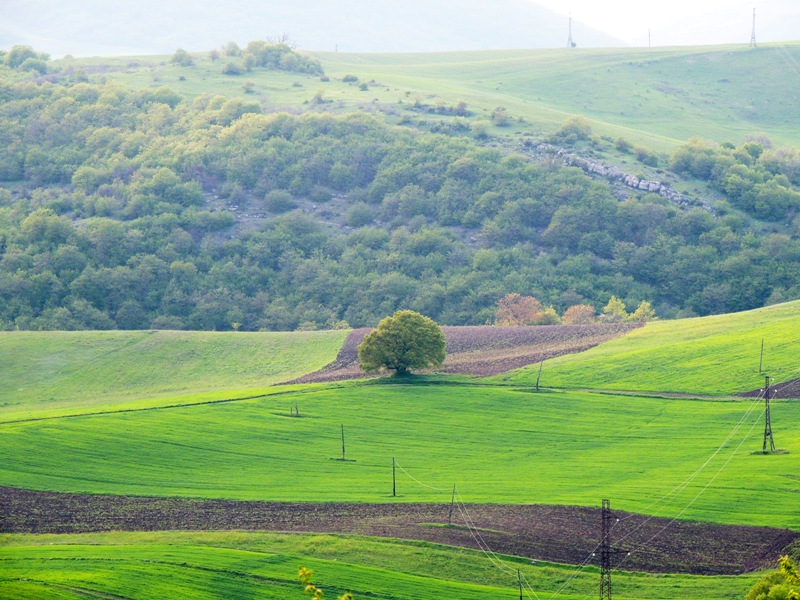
<point>570,43</point>
<point>767,422</point>
<point>753,35</point>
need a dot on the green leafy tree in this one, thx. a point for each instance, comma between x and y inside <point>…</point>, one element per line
<point>406,340</point>
<point>182,58</point>
<point>643,313</point>
<point>614,311</point>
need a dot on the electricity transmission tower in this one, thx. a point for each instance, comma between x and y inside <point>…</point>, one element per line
<point>753,35</point>
<point>570,43</point>
<point>605,553</point>
<point>767,422</point>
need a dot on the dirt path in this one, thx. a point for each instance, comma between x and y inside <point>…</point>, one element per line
<point>551,533</point>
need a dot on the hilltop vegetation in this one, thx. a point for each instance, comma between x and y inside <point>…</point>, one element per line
<point>139,209</point>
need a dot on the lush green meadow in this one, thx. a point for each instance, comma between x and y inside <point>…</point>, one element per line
<point>56,373</point>
<point>497,444</point>
<point>658,97</point>
<point>714,355</point>
<point>264,565</point>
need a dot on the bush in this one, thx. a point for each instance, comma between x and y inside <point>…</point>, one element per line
<point>279,201</point>
<point>182,58</point>
<point>231,69</point>
<point>573,130</point>
<point>360,214</point>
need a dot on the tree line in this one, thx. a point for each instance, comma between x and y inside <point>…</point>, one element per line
<point>138,209</point>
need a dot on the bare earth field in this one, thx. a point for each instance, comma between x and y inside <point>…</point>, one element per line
<point>563,534</point>
<point>786,389</point>
<point>487,350</point>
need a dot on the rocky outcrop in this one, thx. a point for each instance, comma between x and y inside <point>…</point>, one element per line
<point>617,176</point>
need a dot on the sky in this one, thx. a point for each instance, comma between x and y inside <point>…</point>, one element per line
<point>684,21</point>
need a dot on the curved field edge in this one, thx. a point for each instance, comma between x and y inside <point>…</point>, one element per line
<point>561,534</point>
<point>485,350</point>
<point>69,370</point>
<point>717,355</point>
<point>667,457</point>
<point>264,565</point>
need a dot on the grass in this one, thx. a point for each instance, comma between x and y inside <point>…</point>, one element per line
<point>497,444</point>
<point>715,355</point>
<point>656,97</point>
<point>264,565</point>
<point>55,373</point>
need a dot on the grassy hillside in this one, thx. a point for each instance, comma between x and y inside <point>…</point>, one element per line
<point>488,440</point>
<point>712,355</point>
<point>263,565</point>
<point>58,372</point>
<point>658,97</point>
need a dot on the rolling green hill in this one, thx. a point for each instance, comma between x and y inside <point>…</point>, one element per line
<point>658,97</point>
<point>66,372</point>
<point>264,565</point>
<point>714,355</point>
<point>497,444</point>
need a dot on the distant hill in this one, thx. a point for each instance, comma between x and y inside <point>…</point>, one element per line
<point>91,27</point>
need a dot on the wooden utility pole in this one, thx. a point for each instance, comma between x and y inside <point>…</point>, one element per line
<point>452,504</point>
<point>519,581</point>
<point>394,480</point>
<point>343,458</point>
<point>761,358</point>
<point>767,422</point>
<point>541,364</point>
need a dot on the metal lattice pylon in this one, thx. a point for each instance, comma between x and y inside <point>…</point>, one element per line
<point>605,553</point>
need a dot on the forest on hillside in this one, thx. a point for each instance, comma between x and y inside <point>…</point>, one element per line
<point>139,209</point>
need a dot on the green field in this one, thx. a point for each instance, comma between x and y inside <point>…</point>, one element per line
<point>138,413</point>
<point>498,444</point>
<point>714,355</point>
<point>56,373</point>
<point>658,97</point>
<point>264,565</point>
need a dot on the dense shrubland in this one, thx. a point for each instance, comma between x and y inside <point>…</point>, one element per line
<point>758,179</point>
<point>135,209</point>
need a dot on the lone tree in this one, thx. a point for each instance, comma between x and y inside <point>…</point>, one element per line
<point>406,340</point>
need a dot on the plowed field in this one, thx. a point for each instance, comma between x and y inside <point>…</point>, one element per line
<point>486,350</point>
<point>553,533</point>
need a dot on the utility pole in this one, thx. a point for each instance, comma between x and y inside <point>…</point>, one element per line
<point>452,504</point>
<point>539,376</point>
<point>767,422</point>
<point>761,358</point>
<point>519,581</point>
<point>753,35</point>
<point>343,441</point>
<point>605,552</point>
<point>394,480</point>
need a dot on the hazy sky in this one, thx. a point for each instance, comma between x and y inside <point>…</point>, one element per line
<point>680,21</point>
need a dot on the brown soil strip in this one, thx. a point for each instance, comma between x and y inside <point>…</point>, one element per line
<point>487,350</point>
<point>551,533</point>
<point>785,389</point>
